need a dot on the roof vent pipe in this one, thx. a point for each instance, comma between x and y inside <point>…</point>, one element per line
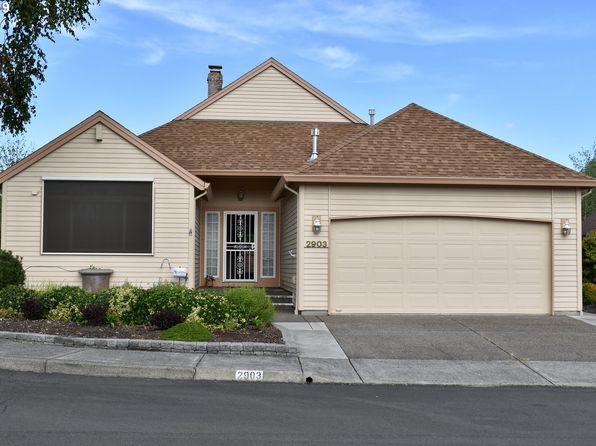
<point>315,147</point>
<point>371,113</point>
<point>214,79</point>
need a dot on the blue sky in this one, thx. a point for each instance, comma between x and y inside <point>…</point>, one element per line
<point>523,71</point>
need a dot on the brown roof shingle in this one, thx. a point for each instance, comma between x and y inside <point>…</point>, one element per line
<point>259,146</point>
<point>416,142</point>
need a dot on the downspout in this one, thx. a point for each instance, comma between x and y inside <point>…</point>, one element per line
<point>587,193</point>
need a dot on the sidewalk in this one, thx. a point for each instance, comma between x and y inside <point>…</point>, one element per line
<point>320,360</point>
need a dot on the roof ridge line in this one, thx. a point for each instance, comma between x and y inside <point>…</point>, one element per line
<point>343,144</point>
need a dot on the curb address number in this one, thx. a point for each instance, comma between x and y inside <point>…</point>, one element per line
<point>315,244</point>
<point>249,375</point>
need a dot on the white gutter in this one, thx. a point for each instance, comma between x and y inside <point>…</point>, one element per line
<point>286,187</point>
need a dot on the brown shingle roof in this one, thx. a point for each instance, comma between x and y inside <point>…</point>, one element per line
<point>416,142</point>
<point>259,146</point>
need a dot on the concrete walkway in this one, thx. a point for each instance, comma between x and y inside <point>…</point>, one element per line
<point>321,360</point>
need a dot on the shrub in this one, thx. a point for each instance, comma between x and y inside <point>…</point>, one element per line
<point>11,269</point>
<point>214,310</point>
<point>166,318</point>
<point>589,257</point>
<point>187,331</point>
<point>65,296</point>
<point>12,296</point>
<point>95,314</point>
<point>7,313</point>
<point>252,304</point>
<point>122,304</point>
<point>589,293</point>
<point>65,311</point>
<point>32,308</point>
<point>166,295</point>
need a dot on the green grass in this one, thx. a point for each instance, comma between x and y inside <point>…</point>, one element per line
<point>187,331</point>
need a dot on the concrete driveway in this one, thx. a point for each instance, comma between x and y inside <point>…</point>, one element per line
<point>476,338</point>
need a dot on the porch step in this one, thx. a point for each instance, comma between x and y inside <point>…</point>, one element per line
<point>282,299</point>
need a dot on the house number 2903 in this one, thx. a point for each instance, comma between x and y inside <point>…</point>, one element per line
<point>315,244</point>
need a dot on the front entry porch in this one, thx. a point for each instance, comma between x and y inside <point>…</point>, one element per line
<point>245,237</point>
<point>241,247</point>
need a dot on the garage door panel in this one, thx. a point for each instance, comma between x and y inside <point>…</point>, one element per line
<point>457,252</point>
<point>457,276</point>
<point>440,265</point>
<point>420,300</point>
<point>422,252</point>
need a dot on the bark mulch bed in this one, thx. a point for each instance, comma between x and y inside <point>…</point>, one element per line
<point>268,334</point>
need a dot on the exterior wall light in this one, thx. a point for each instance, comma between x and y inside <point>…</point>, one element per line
<point>316,224</point>
<point>565,227</point>
<point>240,195</point>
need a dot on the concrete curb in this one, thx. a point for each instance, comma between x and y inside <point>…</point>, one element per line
<point>238,348</point>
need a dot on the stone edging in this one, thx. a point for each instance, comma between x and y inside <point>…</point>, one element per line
<point>238,348</point>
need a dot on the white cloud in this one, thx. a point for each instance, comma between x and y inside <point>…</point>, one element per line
<point>155,53</point>
<point>333,56</point>
<point>376,20</point>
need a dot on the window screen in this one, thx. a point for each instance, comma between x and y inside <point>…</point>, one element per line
<point>97,217</point>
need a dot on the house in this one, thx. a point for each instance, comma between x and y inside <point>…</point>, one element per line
<point>269,181</point>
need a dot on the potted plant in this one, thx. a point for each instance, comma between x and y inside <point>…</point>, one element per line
<point>95,278</point>
<point>209,281</point>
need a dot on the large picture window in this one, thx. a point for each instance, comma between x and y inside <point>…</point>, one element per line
<point>112,217</point>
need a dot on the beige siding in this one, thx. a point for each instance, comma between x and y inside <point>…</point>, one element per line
<point>113,157</point>
<point>288,242</point>
<point>565,265</point>
<point>271,96</point>
<point>375,201</point>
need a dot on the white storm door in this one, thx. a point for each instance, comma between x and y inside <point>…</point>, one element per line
<point>240,252</point>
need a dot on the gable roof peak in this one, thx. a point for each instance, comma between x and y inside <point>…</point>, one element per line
<point>271,63</point>
<point>99,117</point>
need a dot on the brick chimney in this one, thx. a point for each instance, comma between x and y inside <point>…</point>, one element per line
<point>214,79</point>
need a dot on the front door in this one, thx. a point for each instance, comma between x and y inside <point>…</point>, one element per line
<point>240,254</point>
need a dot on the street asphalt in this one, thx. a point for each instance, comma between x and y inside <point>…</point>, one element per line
<point>45,409</point>
<point>480,351</point>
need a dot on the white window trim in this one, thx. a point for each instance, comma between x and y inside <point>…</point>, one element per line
<point>218,240</point>
<point>274,244</point>
<point>105,179</point>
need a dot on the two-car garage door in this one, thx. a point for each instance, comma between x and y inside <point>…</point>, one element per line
<point>439,265</point>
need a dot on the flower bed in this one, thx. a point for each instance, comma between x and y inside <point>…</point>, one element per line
<point>241,314</point>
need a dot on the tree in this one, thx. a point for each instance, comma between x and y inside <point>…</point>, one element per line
<point>13,150</point>
<point>25,25</point>
<point>584,161</point>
